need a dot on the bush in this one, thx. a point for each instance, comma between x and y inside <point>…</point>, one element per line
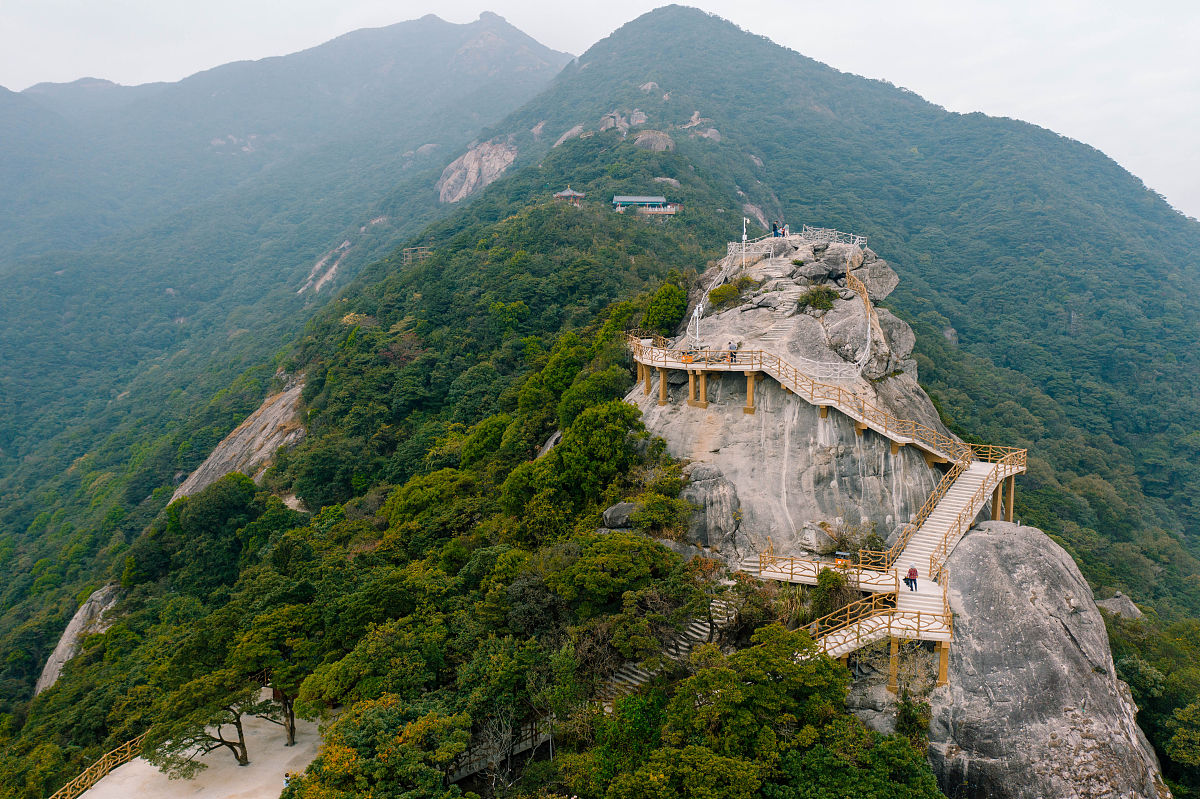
<point>798,261</point>
<point>666,309</point>
<point>723,295</point>
<point>819,297</point>
<point>662,516</point>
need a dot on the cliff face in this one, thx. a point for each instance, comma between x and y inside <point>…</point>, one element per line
<point>1033,707</point>
<point>88,619</point>
<point>780,473</point>
<point>250,447</point>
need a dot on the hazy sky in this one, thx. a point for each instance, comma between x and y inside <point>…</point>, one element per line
<point>1123,77</point>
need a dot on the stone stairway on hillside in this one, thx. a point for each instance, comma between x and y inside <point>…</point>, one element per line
<point>631,676</point>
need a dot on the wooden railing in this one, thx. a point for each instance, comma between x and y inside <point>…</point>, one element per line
<point>1012,462</point>
<point>797,570</point>
<point>97,771</point>
<point>872,617</point>
<point>887,558</point>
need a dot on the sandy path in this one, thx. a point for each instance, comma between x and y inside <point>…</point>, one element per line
<point>223,779</point>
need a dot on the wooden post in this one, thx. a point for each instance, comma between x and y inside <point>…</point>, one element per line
<point>1010,495</point>
<point>749,393</point>
<point>998,502</point>
<point>943,663</point>
<point>691,388</point>
<point>894,667</point>
<point>646,375</point>
<point>703,401</point>
<point>662,386</point>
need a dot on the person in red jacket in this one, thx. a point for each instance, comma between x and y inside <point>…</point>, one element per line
<point>911,579</point>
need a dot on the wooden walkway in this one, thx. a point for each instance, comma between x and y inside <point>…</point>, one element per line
<point>977,474</point>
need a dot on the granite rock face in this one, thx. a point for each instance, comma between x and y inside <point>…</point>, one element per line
<point>475,169</point>
<point>784,475</point>
<point>250,448</point>
<point>87,620</point>
<point>1033,707</point>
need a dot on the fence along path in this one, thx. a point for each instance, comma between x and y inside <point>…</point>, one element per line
<point>976,471</point>
<point>98,770</point>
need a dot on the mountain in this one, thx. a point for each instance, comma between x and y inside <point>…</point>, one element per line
<point>449,586</point>
<point>150,259</point>
<point>161,239</point>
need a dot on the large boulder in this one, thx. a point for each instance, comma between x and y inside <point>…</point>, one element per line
<point>1121,605</point>
<point>1034,707</point>
<point>879,278</point>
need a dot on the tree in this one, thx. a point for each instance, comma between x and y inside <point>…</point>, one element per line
<point>1184,744</point>
<point>666,309</point>
<point>193,720</point>
<point>386,749</point>
<point>283,645</point>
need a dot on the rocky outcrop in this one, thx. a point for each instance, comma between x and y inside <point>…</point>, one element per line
<point>475,169</point>
<point>569,134</point>
<point>89,619</point>
<point>1034,707</point>
<point>784,474</point>
<point>1121,605</point>
<point>656,141</point>
<point>250,448</point>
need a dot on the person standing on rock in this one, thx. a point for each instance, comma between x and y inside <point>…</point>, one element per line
<point>911,579</point>
<point>774,230</point>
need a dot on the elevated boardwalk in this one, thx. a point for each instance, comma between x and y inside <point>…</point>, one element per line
<point>977,473</point>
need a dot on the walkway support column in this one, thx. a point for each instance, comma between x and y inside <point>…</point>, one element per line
<point>691,388</point>
<point>749,393</point>
<point>703,401</point>
<point>894,667</point>
<point>1010,495</point>
<point>662,386</point>
<point>943,663</point>
<point>998,502</point>
<point>646,376</point>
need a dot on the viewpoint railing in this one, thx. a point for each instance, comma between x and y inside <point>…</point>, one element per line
<point>98,770</point>
<point>829,235</point>
<point>859,575</point>
<point>877,616</point>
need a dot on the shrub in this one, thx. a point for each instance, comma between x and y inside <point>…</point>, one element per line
<point>723,295</point>
<point>798,261</point>
<point>819,297</point>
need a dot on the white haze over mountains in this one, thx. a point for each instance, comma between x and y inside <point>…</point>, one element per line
<point>1121,77</point>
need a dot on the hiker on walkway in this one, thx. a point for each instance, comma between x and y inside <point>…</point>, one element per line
<point>911,579</point>
<point>774,230</point>
<point>732,353</point>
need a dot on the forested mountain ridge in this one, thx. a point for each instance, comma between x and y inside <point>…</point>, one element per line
<point>110,355</point>
<point>432,383</point>
<point>1018,245</point>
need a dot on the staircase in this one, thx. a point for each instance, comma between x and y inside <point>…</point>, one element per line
<point>890,610</point>
<point>631,676</point>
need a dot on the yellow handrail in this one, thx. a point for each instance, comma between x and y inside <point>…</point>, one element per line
<point>97,771</point>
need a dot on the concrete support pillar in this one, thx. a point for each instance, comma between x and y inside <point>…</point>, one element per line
<point>1010,495</point>
<point>662,386</point>
<point>646,377</point>
<point>703,401</point>
<point>691,388</point>
<point>943,663</point>
<point>824,411</point>
<point>998,502</point>
<point>859,427</point>
<point>896,447</point>
<point>894,666</point>
<point>749,393</point>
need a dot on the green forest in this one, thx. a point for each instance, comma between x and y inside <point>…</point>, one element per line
<point>449,588</point>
